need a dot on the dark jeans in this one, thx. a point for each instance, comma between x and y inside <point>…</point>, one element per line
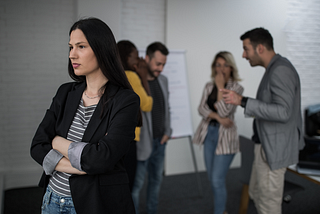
<point>154,167</point>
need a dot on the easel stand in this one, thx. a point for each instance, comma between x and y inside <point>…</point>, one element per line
<point>195,167</point>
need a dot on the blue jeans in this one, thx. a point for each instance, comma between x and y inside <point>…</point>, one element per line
<point>55,204</point>
<point>217,168</point>
<point>154,166</point>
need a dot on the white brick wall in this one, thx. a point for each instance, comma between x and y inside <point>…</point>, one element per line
<point>143,21</point>
<point>33,63</point>
<point>303,47</point>
<point>34,51</point>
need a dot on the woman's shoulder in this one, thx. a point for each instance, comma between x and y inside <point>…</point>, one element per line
<point>133,78</point>
<point>131,75</point>
<point>65,88</point>
<point>209,85</point>
<point>70,86</point>
<point>234,85</point>
<point>126,93</point>
<point>125,97</point>
<point>121,93</point>
<point>232,82</point>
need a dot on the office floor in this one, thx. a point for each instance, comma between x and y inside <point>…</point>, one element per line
<point>179,195</point>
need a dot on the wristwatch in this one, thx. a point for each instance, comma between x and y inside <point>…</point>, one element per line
<point>244,102</point>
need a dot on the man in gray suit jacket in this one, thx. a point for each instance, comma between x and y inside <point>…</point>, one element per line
<point>277,125</point>
<point>155,130</point>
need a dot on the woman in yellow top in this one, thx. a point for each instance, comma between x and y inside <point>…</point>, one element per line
<point>136,70</point>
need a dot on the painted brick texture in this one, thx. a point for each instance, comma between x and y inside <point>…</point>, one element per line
<point>303,47</point>
<point>143,21</point>
<point>33,63</point>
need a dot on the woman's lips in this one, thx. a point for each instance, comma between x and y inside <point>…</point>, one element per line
<point>75,65</point>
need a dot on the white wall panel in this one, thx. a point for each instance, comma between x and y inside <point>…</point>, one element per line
<point>206,27</point>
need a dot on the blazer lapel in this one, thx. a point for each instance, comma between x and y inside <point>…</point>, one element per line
<point>266,77</point>
<point>94,122</point>
<point>262,85</point>
<point>97,118</point>
<point>72,102</point>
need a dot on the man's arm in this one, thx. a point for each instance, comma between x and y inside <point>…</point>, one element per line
<point>224,109</point>
<point>283,91</point>
<point>164,139</point>
<point>231,97</point>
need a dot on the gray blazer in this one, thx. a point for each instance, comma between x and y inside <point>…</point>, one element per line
<point>144,146</point>
<point>277,110</point>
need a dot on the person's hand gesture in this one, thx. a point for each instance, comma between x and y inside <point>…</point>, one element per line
<point>141,68</point>
<point>231,97</point>
<point>219,80</point>
<point>226,122</point>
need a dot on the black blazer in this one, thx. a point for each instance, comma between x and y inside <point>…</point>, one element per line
<point>105,188</point>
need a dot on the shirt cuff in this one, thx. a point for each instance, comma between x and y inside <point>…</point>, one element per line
<point>74,154</point>
<point>50,161</point>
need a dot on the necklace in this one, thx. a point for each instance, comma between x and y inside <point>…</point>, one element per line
<point>91,97</point>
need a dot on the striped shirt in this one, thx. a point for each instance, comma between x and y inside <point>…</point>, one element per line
<point>59,182</point>
<point>228,142</point>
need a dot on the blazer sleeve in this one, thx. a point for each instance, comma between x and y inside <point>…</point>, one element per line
<point>225,110</point>
<point>168,130</point>
<point>283,90</point>
<point>42,141</point>
<point>102,157</point>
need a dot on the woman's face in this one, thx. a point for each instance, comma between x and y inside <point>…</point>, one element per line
<point>222,67</point>
<point>133,59</point>
<point>82,57</point>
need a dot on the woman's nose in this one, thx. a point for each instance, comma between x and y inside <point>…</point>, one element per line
<point>72,54</point>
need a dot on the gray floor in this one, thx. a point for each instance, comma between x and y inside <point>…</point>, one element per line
<point>180,195</point>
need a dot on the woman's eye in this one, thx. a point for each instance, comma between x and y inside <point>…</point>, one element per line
<point>81,46</point>
<point>70,48</point>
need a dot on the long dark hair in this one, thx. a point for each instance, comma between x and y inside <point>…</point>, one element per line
<point>125,48</point>
<point>103,44</point>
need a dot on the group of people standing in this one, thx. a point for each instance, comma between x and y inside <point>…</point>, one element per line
<point>106,130</point>
<point>146,155</point>
<point>277,126</point>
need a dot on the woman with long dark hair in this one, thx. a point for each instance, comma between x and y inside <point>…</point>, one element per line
<point>85,134</point>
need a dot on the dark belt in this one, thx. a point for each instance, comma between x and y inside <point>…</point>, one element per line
<point>213,123</point>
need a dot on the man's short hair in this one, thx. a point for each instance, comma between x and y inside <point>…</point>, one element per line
<point>259,36</point>
<point>156,46</point>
